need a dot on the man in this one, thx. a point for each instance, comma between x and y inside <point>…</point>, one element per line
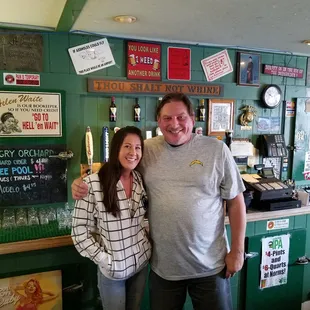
<point>187,177</point>
<point>249,71</point>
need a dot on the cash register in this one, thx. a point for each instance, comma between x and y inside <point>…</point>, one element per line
<point>269,193</point>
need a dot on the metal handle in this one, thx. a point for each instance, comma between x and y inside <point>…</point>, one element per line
<point>250,255</point>
<point>304,260</point>
<point>63,155</point>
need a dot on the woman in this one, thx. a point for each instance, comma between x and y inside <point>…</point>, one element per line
<point>33,295</point>
<point>108,224</point>
<point>9,124</point>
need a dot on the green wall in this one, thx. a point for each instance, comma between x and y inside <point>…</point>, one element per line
<point>83,109</point>
<point>260,228</point>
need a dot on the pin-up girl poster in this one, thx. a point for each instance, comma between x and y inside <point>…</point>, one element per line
<point>32,292</point>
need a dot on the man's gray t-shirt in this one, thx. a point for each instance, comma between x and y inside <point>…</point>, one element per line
<point>186,187</point>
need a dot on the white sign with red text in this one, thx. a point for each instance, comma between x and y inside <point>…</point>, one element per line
<point>21,79</point>
<point>217,65</point>
<point>26,114</point>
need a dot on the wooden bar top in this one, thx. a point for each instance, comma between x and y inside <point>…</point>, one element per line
<point>54,242</point>
<point>37,244</point>
<point>256,215</point>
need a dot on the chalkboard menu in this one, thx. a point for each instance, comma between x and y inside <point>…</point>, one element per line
<point>31,175</point>
<point>21,51</point>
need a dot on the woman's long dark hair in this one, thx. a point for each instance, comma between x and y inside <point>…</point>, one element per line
<point>110,172</point>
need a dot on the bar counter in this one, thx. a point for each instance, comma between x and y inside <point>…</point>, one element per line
<point>47,243</point>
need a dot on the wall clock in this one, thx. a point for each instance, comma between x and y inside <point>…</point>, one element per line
<point>271,96</point>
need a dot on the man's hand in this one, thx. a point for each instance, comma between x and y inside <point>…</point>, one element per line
<point>234,263</point>
<point>79,189</point>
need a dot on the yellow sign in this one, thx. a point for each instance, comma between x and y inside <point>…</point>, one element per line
<point>41,291</point>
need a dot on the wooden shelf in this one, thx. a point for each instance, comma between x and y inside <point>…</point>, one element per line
<point>37,244</point>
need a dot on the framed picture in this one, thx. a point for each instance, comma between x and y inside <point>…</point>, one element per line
<point>248,69</point>
<point>221,116</point>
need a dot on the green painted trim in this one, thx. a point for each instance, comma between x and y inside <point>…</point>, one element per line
<point>70,13</point>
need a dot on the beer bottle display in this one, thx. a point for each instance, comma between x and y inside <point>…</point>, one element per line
<point>137,111</point>
<point>158,103</point>
<point>202,110</point>
<point>197,114</point>
<point>113,110</point>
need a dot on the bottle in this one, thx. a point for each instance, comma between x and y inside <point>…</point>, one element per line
<point>89,146</point>
<point>158,103</point>
<point>105,144</point>
<point>137,111</point>
<point>197,114</point>
<point>202,110</point>
<point>113,110</point>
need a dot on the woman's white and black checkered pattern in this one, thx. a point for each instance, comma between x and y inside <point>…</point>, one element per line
<point>119,246</point>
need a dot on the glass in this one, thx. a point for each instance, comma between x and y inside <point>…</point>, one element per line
<point>51,214</point>
<point>43,216</point>
<point>64,217</point>
<point>33,217</point>
<point>21,217</point>
<point>8,218</point>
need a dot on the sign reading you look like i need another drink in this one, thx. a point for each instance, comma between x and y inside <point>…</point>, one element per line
<point>116,86</point>
<point>143,61</point>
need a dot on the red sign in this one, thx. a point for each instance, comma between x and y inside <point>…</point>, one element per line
<point>179,64</point>
<point>143,61</point>
<point>283,71</point>
<point>21,79</point>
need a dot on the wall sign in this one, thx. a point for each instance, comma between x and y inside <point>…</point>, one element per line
<point>21,51</point>
<point>18,79</point>
<point>143,61</point>
<point>32,291</point>
<point>274,263</point>
<point>179,64</point>
<point>278,224</point>
<point>290,109</point>
<point>117,86</point>
<point>29,176</point>
<point>92,56</point>
<point>283,71</point>
<point>217,65</point>
<point>268,123</point>
<point>26,114</point>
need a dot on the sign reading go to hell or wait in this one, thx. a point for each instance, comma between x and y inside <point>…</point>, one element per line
<point>116,86</point>
<point>28,114</point>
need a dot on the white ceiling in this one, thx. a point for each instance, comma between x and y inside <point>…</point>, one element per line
<point>42,13</point>
<point>270,25</point>
<point>279,25</point>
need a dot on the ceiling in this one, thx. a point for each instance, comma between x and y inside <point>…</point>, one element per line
<point>265,25</point>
